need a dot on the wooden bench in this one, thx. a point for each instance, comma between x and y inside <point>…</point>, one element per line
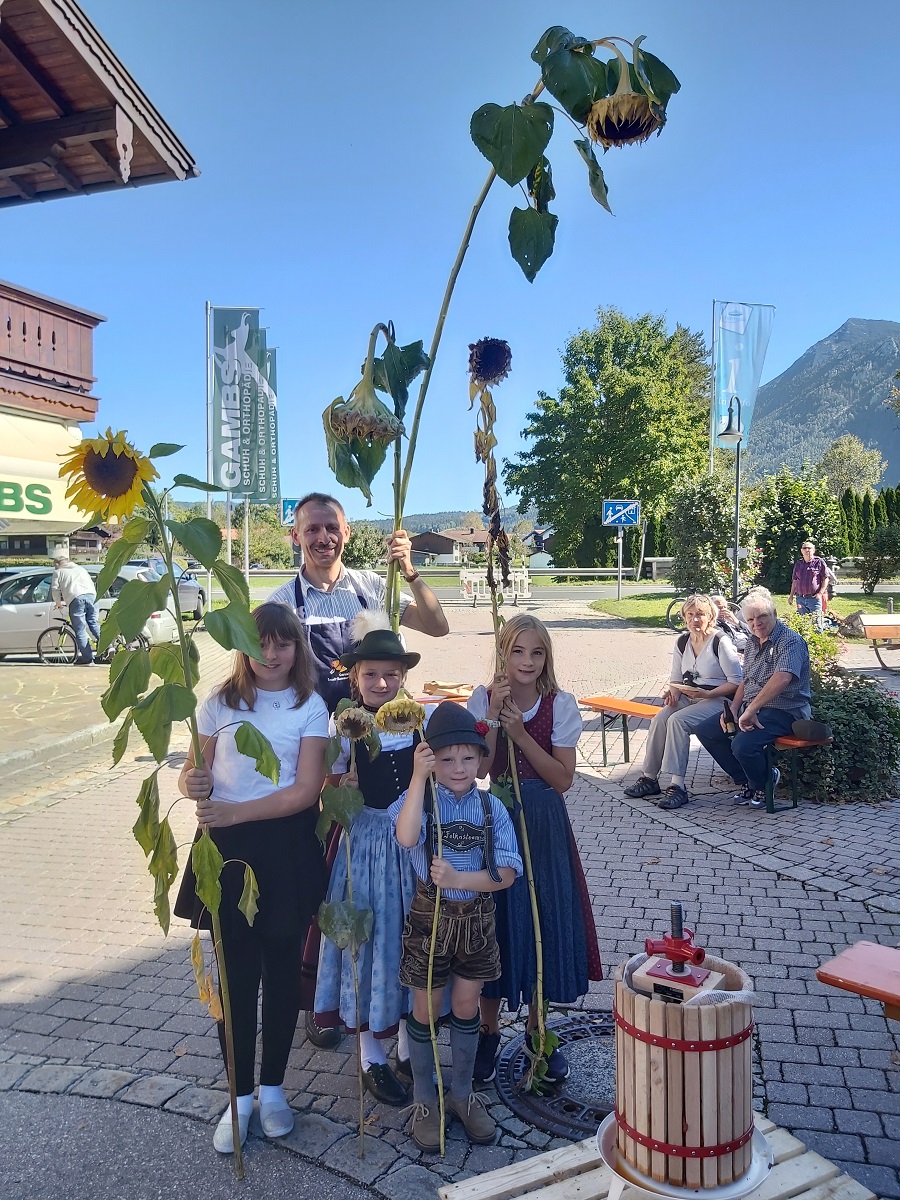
<point>790,746</point>
<point>613,707</point>
<point>577,1172</point>
<point>883,631</point>
<point>869,970</point>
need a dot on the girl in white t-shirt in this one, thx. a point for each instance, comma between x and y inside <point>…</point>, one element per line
<point>273,829</point>
<point>544,725</point>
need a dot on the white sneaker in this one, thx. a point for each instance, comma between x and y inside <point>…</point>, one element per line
<point>223,1138</point>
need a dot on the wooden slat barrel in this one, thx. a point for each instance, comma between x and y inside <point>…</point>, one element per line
<point>684,1086</point>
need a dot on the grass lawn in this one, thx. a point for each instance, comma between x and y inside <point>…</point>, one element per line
<point>650,610</point>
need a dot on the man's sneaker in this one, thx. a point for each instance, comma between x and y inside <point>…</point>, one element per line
<point>425,1128</point>
<point>477,1121</point>
<point>645,786</point>
<point>486,1056</point>
<point>744,796</point>
<point>325,1039</point>
<point>759,798</point>
<point>676,797</point>
<point>557,1067</point>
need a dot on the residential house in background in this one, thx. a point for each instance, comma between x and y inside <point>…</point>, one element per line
<point>449,547</point>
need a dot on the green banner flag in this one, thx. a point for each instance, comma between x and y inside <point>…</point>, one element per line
<point>235,399</point>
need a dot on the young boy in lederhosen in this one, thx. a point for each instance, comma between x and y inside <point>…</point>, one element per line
<point>479,856</point>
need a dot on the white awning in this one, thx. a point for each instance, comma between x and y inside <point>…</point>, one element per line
<point>32,496</point>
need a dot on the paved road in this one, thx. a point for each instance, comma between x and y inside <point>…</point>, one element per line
<point>95,1002</point>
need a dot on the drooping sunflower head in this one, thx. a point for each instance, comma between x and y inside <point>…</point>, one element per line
<point>623,119</point>
<point>489,361</point>
<point>402,715</point>
<point>362,415</point>
<point>354,723</point>
<point>106,475</point>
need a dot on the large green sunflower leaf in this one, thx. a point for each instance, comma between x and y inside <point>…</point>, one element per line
<point>163,450</point>
<point>655,78</point>
<point>557,37</point>
<point>234,585</point>
<point>207,864</point>
<point>332,752</point>
<point>166,662</point>
<point>135,530</point>
<point>396,370</point>
<point>345,925</point>
<point>201,538</point>
<point>137,600</point>
<point>163,866</point>
<point>531,238</point>
<point>576,79</point>
<point>109,627</point>
<point>342,804</point>
<point>595,175</point>
<point>155,713</point>
<point>118,553</point>
<point>234,628</point>
<point>250,895</point>
<point>129,674</point>
<point>257,746</point>
<point>513,138</point>
<point>540,188</point>
<point>120,741</point>
<point>198,484</point>
<point>146,827</point>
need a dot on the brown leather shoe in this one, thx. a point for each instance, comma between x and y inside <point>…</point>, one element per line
<point>477,1121</point>
<point>425,1128</point>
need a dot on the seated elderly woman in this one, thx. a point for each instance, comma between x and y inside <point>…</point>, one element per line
<point>730,623</point>
<point>705,671</point>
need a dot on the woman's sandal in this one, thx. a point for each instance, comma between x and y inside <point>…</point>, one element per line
<point>675,797</point>
<point>645,786</point>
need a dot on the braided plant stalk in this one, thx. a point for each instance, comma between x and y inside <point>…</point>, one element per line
<point>489,363</point>
<point>614,102</point>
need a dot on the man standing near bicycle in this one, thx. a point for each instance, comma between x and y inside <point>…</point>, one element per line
<point>72,585</point>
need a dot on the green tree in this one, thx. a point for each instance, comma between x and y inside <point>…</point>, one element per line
<point>867,529</point>
<point>366,547</point>
<point>701,522</point>
<point>881,515</point>
<point>848,508</point>
<point>630,421</point>
<point>843,545</point>
<point>790,509</point>
<point>890,504</point>
<point>471,520</point>
<point>847,463</point>
<point>880,558</point>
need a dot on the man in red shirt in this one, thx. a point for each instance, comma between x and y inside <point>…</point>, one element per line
<point>809,583</point>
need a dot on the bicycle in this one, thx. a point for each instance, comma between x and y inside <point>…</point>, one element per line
<point>675,620</point>
<point>57,647</point>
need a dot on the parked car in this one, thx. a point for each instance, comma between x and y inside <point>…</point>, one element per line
<point>191,596</point>
<point>26,610</point>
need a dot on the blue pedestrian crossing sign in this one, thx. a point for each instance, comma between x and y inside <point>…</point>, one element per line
<point>287,510</point>
<point>621,512</point>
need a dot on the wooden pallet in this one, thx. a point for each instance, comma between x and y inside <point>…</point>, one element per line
<point>577,1172</point>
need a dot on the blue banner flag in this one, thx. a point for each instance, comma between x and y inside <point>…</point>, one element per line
<point>741,338</point>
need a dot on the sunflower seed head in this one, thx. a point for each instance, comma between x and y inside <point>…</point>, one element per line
<point>400,716</point>
<point>490,360</point>
<point>623,119</point>
<point>354,724</point>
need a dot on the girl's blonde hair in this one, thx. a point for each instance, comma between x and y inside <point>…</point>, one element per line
<point>522,622</point>
<point>276,623</point>
<point>353,673</point>
<point>704,603</point>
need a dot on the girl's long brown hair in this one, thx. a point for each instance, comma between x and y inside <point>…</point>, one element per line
<point>276,623</point>
<point>546,681</point>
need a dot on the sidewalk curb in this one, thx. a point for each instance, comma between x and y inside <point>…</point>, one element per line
<point>79,739</point>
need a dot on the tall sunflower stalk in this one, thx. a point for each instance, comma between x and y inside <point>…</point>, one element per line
<point>342,921</point>
<point>109,478</point>
<point>489,363</point>
<point>404,715</point>
<point>614,102</point>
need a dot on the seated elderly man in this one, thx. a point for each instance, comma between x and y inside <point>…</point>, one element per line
<point>773,695</point>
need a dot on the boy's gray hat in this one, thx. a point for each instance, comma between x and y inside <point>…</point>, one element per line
<point>452,725</point>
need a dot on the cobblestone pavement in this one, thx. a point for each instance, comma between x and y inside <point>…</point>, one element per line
<point>95,1002</point>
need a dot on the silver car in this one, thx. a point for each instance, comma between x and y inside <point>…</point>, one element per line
<point>26,610</point>
<point>191,595</point>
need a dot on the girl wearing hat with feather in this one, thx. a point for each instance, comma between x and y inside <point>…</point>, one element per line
<point>383,878</point>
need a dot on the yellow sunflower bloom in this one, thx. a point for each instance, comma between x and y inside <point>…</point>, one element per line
<point>106,474</point>
<point>400,716</point>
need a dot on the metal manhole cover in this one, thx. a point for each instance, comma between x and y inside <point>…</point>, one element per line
<point>576,1107</point>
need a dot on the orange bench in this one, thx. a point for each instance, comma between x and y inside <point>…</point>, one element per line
<point>613,707</point>
<point>790,746</point>
<point>869,970</point>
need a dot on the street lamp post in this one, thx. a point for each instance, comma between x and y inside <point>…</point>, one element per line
<point>732,436</point>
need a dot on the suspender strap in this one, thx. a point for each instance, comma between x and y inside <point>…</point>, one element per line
<point>490,858</point>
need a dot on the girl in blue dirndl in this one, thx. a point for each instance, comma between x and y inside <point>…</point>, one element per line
<point>383,879</point>
<point>543,725</point>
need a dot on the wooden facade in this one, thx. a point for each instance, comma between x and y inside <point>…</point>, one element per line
<point>72,119</point>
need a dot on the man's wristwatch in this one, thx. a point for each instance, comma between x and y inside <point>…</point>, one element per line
<point>411,578</point>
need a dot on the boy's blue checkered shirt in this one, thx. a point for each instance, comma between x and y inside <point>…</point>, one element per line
<point>468,808</point>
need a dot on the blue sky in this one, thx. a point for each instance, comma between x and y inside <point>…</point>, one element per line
<point>337,175</point>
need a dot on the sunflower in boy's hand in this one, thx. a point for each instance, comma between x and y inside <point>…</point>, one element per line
<point>355,724</point>
<point>402,715</point>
